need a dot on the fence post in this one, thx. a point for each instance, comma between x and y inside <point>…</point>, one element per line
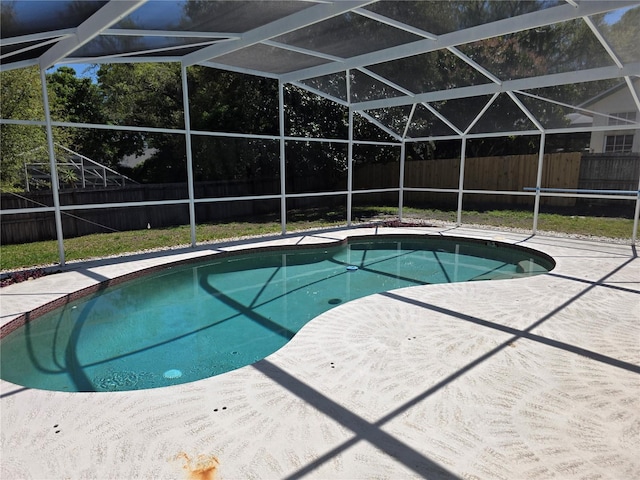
<point>26,177</point>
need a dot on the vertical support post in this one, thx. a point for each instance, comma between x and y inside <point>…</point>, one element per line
<point>187,132</point>
<point>53,166</point>
<point>463,156</point>
<point>349,152</point>
<point>283,163</point>
<point>350,169</point>
<point>284,286</point>
<point>634,235</point>
<point>403,148</point>
<point>401,180</point>
<point>536,204</point>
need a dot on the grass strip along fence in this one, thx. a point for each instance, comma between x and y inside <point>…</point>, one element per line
<point>44,253</point>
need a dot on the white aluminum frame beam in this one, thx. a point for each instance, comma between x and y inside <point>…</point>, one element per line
<point>587,111</point>
<point>380,125</point>
<point>603,41</point>
<point>536,202</point>
<point>460,191</point>
<point>34,37</point>
<point>106,59</point>
<point>108,15</point>
<point>181,131</point>
<point>261,73</point>
<point>350,170</point>
<point>405,91</point>
<point>283,160</point>
<point>636,217</point>
<point>128,55</point>
<point>527,21</point>
<point>386,81</point>
<point>151,203</point>
<point>242,70</point>
<point>136,32</point>
<point>303,51</point>
<point>525,110</point>
<point>603,128</point>
<point>403,153</point>
<point>634,93</point>
<point>31,47</point>
<point>394,23</point>
<point>580,76</point>
<point>409,120</point>
<point>442,118</point>
<point>53,167</point>
<point>481,113</point>
<point>475,65</point>
<point>6,67</point>
<point>320,93</point>
<point>525,133</point>
<point>187,134</point>
<point>287,24</point>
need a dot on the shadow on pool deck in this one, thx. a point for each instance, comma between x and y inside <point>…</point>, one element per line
<point>454,404</point>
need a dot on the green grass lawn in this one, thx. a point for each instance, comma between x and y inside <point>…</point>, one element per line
<point>24,256</point>
<point>28,255</point>
<point>547,222</point>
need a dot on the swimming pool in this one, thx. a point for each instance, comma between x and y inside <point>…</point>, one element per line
<point>189,322</point>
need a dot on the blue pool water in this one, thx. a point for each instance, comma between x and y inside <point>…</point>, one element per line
<point>191,322</point>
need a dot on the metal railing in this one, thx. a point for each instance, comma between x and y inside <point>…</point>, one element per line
<point>76,171</point>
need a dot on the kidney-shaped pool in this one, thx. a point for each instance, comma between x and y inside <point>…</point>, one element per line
<point>189,322</point>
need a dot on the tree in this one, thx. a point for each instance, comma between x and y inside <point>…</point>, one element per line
<point>146,95</point>
<point>234,103</point>
<point>77,100</point>
<point>623,34</point>
<point>219,101</point>
<point>142,94</point>
<point>21,94</point>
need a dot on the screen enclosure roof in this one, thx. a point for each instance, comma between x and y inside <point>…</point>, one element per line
<point>417,69</point>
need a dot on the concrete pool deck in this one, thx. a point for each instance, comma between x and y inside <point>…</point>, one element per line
<point>530,378</point>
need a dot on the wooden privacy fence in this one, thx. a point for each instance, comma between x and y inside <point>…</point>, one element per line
<point>31,227</point>
<point>513,172</point>
<point>606,171</point>
<point>508,173</point>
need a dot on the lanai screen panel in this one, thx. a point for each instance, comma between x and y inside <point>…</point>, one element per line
<point>409,75</point>
<point>377,56</point>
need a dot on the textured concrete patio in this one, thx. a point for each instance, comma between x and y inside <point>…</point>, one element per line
<point>511,379</point>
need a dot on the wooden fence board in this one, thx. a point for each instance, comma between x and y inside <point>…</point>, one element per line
<point>515,173</point>
<point>505,173</point>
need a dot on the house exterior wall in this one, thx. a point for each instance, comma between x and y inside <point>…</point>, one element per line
<point>617,102</point>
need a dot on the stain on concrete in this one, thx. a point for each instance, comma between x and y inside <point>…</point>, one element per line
<point>202,467</point>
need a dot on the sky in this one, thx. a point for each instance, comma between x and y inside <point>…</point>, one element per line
<point>616,15</point>
<point>83,70</point>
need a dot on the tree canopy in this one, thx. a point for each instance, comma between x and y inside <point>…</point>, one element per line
<point>21,94</point>
<point>150,95</point>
